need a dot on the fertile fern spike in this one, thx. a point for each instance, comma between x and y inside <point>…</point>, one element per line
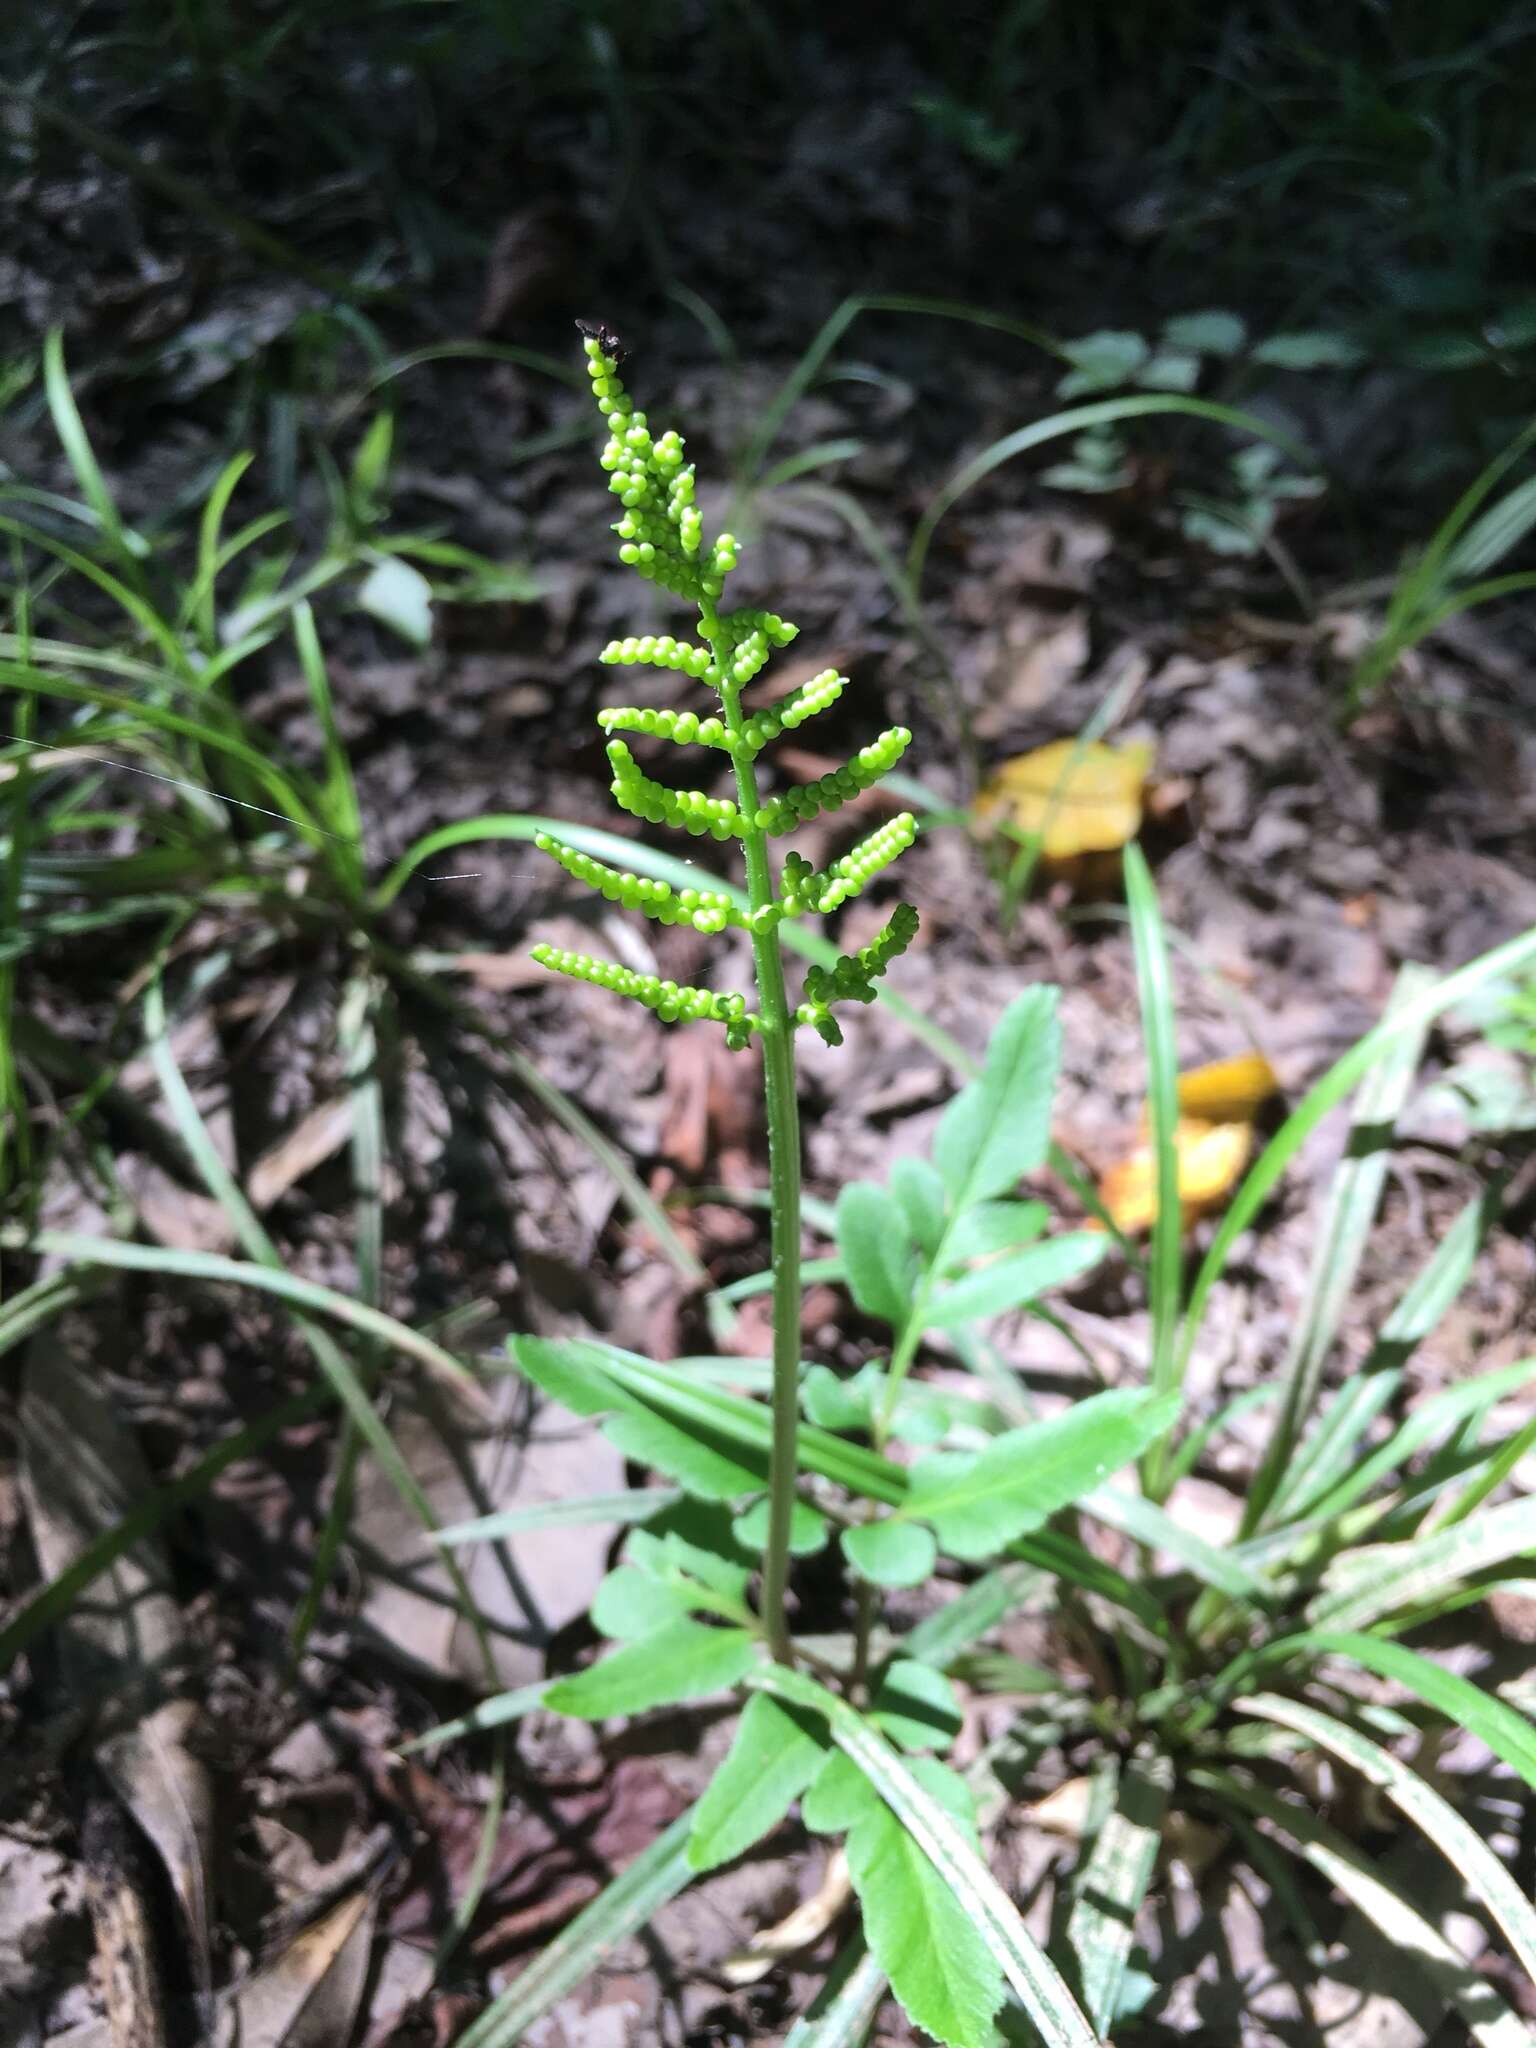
<point>852,976</point>
<point>661,535</point>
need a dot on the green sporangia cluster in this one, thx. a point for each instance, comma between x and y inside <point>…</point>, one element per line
<point>661,536</point>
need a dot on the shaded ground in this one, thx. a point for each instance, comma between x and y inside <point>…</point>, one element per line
<point>1299,867</point>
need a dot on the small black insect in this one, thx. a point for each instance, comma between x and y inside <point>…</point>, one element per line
<point>610,344</point>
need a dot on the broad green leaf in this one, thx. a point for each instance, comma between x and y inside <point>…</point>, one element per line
<point>1481,1871</point>
<point>657,1874</point>
<point>629,1604</point>
<point>917,1186</point>
<point>838,1796</point>
<point>1215,333</point>
<point>807,1529</point>
<point>695,1538</point>
<point>1112,1884</point>
<point>980,1504</point>
<point>1008,1283</point>
<point>982,1903</point>
<point>776,1753</point>
<point>998,1129</point>
<point>992,1227</point>
<point>890,1553</point>
<point>1497,1726</point>
<point>1424,1947</point>
<point>877,1257</point>
<point>939,1965</point>
<point>686,1660</point>
<point>916,1706</point>
<point>838,1403</point>
<point>1362,1585</point>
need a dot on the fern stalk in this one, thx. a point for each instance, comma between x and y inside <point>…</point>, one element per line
<point>661,538</point>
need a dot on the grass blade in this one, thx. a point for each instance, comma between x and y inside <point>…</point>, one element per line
<point>214,1268</point>
<point>1506,960</point>
<point>844,2009</point>
<point>1480,1870</point>
<point>1102,413</point>
<point>637,1505</point>
<point>1421,1944</point>
<point>1379,1579</point>
<point>1145,1522</point>
<point>1497,1726</point>
<point>1165,1274</point>
<point>1035,1979</point>
<point>1353,1197</point>
<point>1113,1883</point>
<point>657,1874</point>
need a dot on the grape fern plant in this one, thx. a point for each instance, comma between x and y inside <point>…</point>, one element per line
<point>1185,1676</point>
<point>661,536</point>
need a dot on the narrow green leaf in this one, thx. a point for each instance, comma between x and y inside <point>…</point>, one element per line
<point>980,1901</point>
<point>1343,1230</point>
<point>941,1637</point>
<point>657,1874</point>
<point>212,1266</point>
<point>1511,958</point>
<point>637,1505</point>
<point>1497,1726</point>
<point>1113,1883</point>
<point>843,2011</point>
<point>891,1553</point>
<point>877,1257</point>
<point>979,1504</point>
<point>1363,1585</point>
<point>1423,1946</point>
<point>915,1705</point>
<point>998,1129</point>
<point>1482,1872</point>
<point>686,1660</point>
<point>1145,1522</point>
<point>1009,1282</point>
<point>776,1752</point>
<point>1442,1413</point>
<point>495,1712</point>
<point>1165,1273</point>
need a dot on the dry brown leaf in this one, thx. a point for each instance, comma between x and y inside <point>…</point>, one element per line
<point>1065,1811</point>
<point>1079,797</point>
<point>313,1139</point>
<point>123,1652</point>
<point>308,1996</point>
<point>797,1930</point>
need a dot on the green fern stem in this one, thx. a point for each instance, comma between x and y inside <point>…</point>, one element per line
<point>782,1110</point>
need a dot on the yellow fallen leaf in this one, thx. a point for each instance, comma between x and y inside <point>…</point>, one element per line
<point>1211,1156</point>
<point>1228,1091</point>
<point>1080,798</point>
